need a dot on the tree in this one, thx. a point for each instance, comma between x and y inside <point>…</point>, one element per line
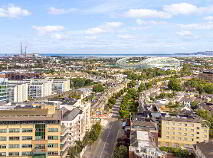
<point>131,84</point>
<point>98,88</point>
<point>174,84</point>
<point>142,87</point>
<point>120,152</point>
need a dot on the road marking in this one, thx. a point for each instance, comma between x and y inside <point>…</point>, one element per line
<point>106,141</point>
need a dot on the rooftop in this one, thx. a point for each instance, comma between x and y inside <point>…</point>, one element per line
<point>71,115</point>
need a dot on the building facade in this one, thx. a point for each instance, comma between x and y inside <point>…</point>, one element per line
<point>60,85</point>
<point>39,88</point>
<point>3,89</point>
<point>17,91</point>
<point>183,132</point>
<point>30,132</point>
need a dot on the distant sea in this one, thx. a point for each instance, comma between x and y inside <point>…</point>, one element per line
<point>198,54</point>
<point>118,55</point>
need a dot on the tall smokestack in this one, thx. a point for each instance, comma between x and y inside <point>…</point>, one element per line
<point>25,51</point>
<point>21,49</point>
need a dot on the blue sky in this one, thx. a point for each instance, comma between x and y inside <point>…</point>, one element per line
<point>106,26</point>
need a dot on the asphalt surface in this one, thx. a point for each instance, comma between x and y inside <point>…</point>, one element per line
<point>105,146</point>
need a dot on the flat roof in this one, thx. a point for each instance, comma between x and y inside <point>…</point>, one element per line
<point>29,115</point>
<point>187,119</point>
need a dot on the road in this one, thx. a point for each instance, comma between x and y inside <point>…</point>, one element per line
<point>106,143</point>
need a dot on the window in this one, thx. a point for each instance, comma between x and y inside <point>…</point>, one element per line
<point>14,145</point>
<point>185,124</point>
<point>192,135</point>
<point>52,129</point>
<point>192,130</point>
<point>52,153</point>
<point>14,130</point>
<point>27,138</point>
<point>3,138</point>
<point>3,146</point>
<point>2,154</point>
<point>52,137</point>
<point>27,130</point>
<point>198,132</point>
<point>167,137</point>
<point>26,154</point>
<point>185,134</point>
<point>185,139</point>
<point>26,145</point>
<point>13,138</point>
<point>179,133</point>
<point>198,127</point>
<point>40,146</point>
<point>173,128</point>
<point>180,129</point>
<point>167,127</point>
<point>13,153</point>
<point>3,130</point>
<point>179,138</point>
<point>52,145</point>
<point>198,137</point>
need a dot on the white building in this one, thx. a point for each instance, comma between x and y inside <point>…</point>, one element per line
<point>60,85</point>
<point>17,91</point>
<point>39,88</point>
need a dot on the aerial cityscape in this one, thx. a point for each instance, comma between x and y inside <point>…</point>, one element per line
<point>106,79</point>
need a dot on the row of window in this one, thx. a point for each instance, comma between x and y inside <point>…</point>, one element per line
<point>180,124</point>
<point>26,138</point>
<point>183,129</point>
<point>184,134</point>
<point>24,130</point>
<point>38,146</point>
<point>183,138</point>
<point>3,154</point>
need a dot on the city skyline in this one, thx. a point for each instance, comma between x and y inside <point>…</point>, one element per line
<point>106,26</point>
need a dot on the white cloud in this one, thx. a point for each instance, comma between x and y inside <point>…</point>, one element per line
<point>58,11</point>
<point>126,36</point>
<point>13,11</point>
<point>149,22</point>
<point>181,8</point>
<point>48,28</point>
<point>185,33</point>
<point>209,18</point>
<point>106,27</point>
<point>91,37</point>
<point>57,36</point>
<point>198,26</point>
<point>146,13</point>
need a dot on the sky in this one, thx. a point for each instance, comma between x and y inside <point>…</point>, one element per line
<point>106,26</point>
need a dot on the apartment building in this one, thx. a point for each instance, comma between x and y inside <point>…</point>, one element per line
<point>60,85</point>
<point>183,132</point>
<point>17,91</point>
<point>30,131</point>
<point>3,89</point>
<point>39,88</point>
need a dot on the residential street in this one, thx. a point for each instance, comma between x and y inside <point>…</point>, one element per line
<point>104,146</point>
